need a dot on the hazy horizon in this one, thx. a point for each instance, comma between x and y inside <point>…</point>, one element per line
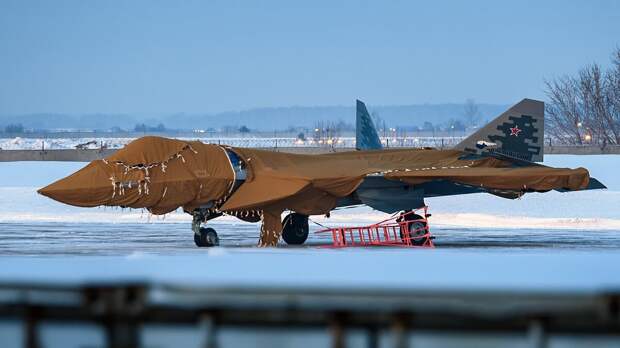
<point>256,118</point>
<point>258,108</point>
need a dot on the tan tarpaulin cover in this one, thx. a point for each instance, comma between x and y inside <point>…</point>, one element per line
<point>167,174</point>
<point>155,173</point>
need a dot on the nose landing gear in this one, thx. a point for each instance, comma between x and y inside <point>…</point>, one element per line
<point>204,236</point>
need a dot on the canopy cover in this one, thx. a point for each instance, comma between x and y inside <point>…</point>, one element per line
<point>164,174</point>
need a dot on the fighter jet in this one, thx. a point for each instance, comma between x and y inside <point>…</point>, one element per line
<point>208,181</point>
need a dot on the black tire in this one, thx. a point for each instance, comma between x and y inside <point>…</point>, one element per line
<point>207,238</point>
<point>416,229</point>
<point>295,229</point>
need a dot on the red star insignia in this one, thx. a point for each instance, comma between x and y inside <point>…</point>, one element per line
<point>515,131</point>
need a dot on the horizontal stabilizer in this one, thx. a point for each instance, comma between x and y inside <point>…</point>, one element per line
<point>593,184</point>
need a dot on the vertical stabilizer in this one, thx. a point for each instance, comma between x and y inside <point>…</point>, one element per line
<point>366,137</point>
<point>516,134</point>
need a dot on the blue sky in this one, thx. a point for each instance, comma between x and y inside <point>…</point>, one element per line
<point>209,56</point>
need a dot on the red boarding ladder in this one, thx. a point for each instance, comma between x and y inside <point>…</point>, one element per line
<point>405,230</point>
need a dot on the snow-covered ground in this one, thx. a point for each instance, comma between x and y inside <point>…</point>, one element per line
<point>19,143</point>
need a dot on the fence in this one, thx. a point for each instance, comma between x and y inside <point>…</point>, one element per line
<point>272,142</point>
<point>121,313</point>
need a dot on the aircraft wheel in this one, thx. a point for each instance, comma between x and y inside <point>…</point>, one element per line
<point>207,237</point>
<point>416,229</point>
<point>295,229</point>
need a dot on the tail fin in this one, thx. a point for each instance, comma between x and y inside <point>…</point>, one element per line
<point>516,134</point>
<point>366,137</point>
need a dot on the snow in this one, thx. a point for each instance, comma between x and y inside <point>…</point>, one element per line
<point>19,143</point>
<point>373,269</point>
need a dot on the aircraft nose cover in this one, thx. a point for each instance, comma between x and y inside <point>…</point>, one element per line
<point>88,187</point>
<point>151,172</point>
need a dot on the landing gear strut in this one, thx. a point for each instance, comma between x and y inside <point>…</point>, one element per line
<point>204,236</point>
<point>295,229</point>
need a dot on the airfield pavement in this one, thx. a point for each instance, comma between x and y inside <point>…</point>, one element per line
<point>32,225</point>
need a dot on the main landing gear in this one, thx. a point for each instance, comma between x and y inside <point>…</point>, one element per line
<point>295,229</point>
<point>204,236</point>
<point>415,227</point>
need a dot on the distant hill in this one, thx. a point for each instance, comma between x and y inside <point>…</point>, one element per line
<point>61,121</point>
<point>264,119</point>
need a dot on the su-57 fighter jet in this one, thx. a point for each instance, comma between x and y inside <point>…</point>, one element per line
<point>254,185</point>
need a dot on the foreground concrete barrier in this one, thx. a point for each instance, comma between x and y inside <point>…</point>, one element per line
<point>582,150</point>
<point>72,155</point>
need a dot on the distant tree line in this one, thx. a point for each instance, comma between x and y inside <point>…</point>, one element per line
<point>471,113</point>
<point>460,125</point>
<point>585,108</point>
<point>14,128</point>
<point>141,127</point>
<point>328,130</point>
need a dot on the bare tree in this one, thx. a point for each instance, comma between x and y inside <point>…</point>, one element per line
<point>598,114</point>
<point>329,132</point>
<point>612,80</point>
<point>563,117</point>
<point>471,114</point>
<point>585,108</point>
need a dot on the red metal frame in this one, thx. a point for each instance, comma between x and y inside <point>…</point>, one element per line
<point>390,232</point>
